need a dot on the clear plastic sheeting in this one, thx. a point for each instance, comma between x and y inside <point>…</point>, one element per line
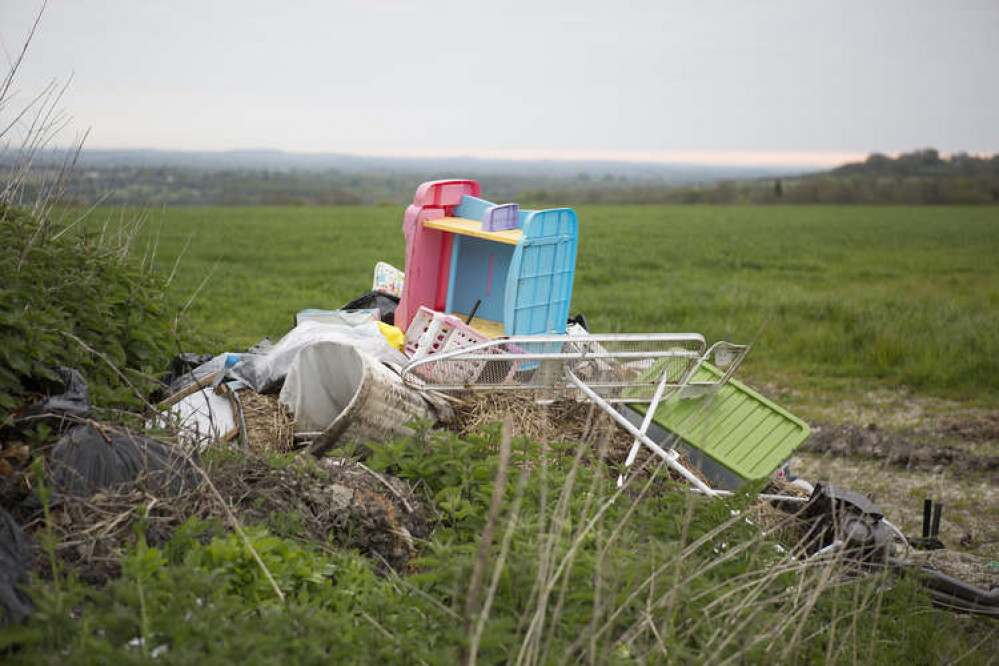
<point>338,317</point>
<point>266,372</point>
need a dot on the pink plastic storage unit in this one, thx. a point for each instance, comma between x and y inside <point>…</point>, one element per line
<point>520,276</point>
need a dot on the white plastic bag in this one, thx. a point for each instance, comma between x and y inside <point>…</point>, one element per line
<point>265,372</point>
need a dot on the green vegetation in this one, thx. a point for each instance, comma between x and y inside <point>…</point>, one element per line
<point>827,295</point>
<point>916,178</point>
<point>900,295</point>
<point>576,572</point>
<point>79,301</point>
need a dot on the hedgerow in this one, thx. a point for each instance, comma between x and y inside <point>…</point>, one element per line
<point>78,299</point>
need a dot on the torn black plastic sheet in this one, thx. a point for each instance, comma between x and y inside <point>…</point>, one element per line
<point>15,560</point>
<point>66,399</point>
<point>90,458</point>
<point>385,302</point>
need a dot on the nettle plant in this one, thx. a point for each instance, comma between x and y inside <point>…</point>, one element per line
<point>79,298</point>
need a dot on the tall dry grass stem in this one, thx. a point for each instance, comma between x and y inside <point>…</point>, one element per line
<point>511,527</point>
<point>486,541</point>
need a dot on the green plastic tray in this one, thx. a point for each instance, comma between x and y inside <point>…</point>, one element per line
<point>736,426</point>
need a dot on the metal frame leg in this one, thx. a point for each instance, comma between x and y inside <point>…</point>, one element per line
<point>649,414</point>
<point>670,457</point>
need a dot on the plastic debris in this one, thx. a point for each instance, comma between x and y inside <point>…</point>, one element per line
<point>388,279</point>
<point>393,335</point>
<point>179,373</point>
<point>580,320</point>
<point>432,333</point>
<point>384,302</point>
<point>849,519</point>
<point>15,559</point>
<point>501,217</point>
<point>336,389</point>
<point>519,280</point>
<point>339,317</point>
<point>265,373</point>
<point>204,416</point>
<point>261,347</point>
<point>67,397</point>
<point>210,371</point>
<point>89,458</point>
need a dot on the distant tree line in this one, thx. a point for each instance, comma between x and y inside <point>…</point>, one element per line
<point>179,186</point>
<point>919,177</point>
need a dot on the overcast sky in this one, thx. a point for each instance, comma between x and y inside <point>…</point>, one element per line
<point>734,82</point>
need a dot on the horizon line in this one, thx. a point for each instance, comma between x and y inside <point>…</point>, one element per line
<point>707,158</point>
<point>773,159</point>
<point>700,157</point>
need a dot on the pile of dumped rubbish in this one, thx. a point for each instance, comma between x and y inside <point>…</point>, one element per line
<point>477,321</point>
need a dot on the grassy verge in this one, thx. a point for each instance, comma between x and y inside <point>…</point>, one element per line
<point>574,571</point>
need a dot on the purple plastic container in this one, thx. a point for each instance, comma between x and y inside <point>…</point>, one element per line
<point>501,217</point>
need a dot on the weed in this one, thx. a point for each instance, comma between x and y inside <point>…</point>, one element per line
<point>76,301</point>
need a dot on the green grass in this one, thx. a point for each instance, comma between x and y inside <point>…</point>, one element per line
<point>575,572</point>
<point>829,296</point>
<point>907,295</point>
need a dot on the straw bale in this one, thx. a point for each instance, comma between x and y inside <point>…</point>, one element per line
<point>270,425</point>
<point>558,421</point>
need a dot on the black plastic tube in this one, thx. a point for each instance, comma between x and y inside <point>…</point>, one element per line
<point>475,308</point>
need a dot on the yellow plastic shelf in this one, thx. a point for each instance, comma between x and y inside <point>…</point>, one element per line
<point>465,227</point>
<point>487,327</point>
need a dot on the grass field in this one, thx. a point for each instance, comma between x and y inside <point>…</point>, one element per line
<point>834,299</point>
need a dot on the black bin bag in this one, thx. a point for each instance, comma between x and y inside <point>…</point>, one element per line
<point>386,304</point>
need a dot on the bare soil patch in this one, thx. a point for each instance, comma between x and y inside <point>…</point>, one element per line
<point>909,450</point>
